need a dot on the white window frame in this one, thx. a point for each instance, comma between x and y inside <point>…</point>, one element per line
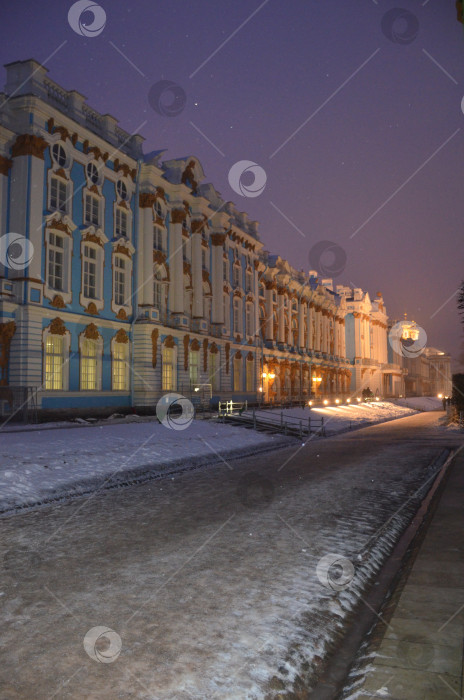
<point>214,369</point>
<point>237,368</point>
<point>51,292</point>
<point>194,377</point>
<point>98,300</point>
<point>249,375</point>
<point>165,385</point>
<point>67,184</point>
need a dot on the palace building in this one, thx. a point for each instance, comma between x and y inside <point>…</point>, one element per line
<point>142,280</point>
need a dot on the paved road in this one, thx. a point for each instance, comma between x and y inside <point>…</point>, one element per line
<point>208,581</point>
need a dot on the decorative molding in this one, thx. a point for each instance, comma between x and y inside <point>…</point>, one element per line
<point>217,238</point>
<point>91,309</point>
<point>58,302</point>
<point>159,257</point>
<point>91,332</point>
<point>146,200</point>
<point>29,145</point>
<point>214,349</point>
<point>122,250</point>
<point>169,342</point>
<point>57,327</point>
<point>124,168</point>
<point>121,315</point>
<point>189,176</point>
<point>178,216</point>
<point>121,336</point>
<point>5,165</point>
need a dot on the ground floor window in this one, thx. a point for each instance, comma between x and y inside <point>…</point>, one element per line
<point>237,373</point>
<point>214,371</point>
<point>120,374</point>
<point>193,367</point>
<point>54,360</point>
<point>168,369</point>
<point>89,364</point>
<point>249,375</point>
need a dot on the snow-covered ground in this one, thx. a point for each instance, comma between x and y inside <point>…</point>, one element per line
<point>46,463</point>
<point>211,595</point>
<point>340,418</point>
<point>422,403</point>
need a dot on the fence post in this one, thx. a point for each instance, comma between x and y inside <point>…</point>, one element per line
<point>322,427</point>
<point>309,424</point>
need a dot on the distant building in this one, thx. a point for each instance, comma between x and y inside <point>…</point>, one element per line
<point>145,281</point>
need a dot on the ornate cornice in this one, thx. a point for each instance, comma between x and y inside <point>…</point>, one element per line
<point>124,168</point>
<point>169,342</point>
<point>91,309</point>
<point>58,302</point>
<point>92,238</point>
<point>57,327</point>
<point>121,315</point>
<point>122,250</point>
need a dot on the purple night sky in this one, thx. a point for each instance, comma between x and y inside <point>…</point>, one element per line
<point>394,124</point>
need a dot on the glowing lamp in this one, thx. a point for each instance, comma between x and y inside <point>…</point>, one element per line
<point>337,400</point>
<point>325,402</point>
<point>440,396</point>
<point>358,400</point>
<point>348,401</point>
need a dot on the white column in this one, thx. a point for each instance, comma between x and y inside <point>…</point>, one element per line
<point>147,261</point>
<point>176,263</point>
<point>301,315</point>
<point>217,241</point>
<point>269,312</point>
<point>26,198</point>
<point>318,328</point>
<point>309,319</point>
<point>197,275</point>
<point>280,316</point>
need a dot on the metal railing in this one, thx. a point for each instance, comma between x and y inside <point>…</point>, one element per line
<point>260,419</point>
<point>18,403</point>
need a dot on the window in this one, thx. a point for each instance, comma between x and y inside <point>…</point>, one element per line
<point>214,378</point>
<point>249,320</point>
<point>237,271</point>
<point>89,365</point>
<point>168,377</point>
<point>55,262</point>
<point>237,373</point>
<point>236,316</point>
<point>158,291</point>
<point>158,209</point>
<point>92,210</point>
<point>194,366</point>
<point>54,360</point>
<point>92,173</point>
<point>121,189</point>
<point>249,374</point>
<point>59,154</point>
<point>249,281</point>
<point>157,239</point>
<point>226,270</point>
<point>121,222</point>
<point>90,272</point>
<point>58,192</point>
<point>119,281</point>
<point>120,376</point>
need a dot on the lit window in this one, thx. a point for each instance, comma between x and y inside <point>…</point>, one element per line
<point>90,272</point>
<point>58,192</point>
<point>59,155</point>
<point>121,189</point>
<point>92,173</point>
<point>92,210</point>
<point>119,281</point>
<point>54,359</point>
<point>89,364</point>
<point>237,374</point>
<point>168,376</point>
<point>249,375</point>
<point>55,262</point>
<point>120,376</point>
<point>214,376</point>
<point>121,222</point>
<point>194,366</point>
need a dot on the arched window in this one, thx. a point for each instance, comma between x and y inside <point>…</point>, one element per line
<point>237,324</point>
<point>158,290</point>
<point>249,319</point>
<point>121,189</point>
<point>56,341</point>
<point>92,172</point>
<point>214,371</point>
